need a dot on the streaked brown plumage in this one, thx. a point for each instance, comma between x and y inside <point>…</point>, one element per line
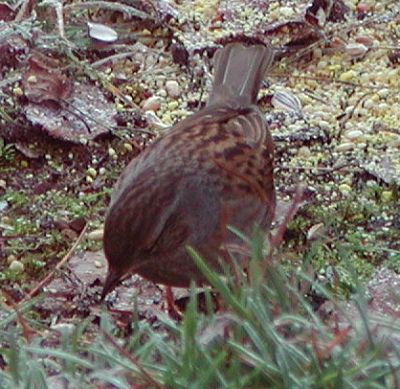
<point>213,169</point>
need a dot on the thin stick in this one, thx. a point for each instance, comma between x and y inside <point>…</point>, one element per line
<point>276,240</point>
<point>63,261</point>
<point>60,19</point>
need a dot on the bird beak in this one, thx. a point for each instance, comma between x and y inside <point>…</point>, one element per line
<point>112,280</point>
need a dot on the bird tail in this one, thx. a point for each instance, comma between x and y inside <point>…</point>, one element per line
<point>239,71</point>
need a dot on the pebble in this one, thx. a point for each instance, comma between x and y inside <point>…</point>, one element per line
<point>386,196</point>
<point>128,147</point>
<point>17,266</point>
<point>11,257</point>
<point>345,188</point>
<point>153,103</point>
<point>3,205</point>
<point>354,134</point>
<point>95,234</point>
<point>65,328</point>
<point>369,103</point>
<point>304,152</point>
<point>173,88</point>
<point>348,76</point>
<point>92,172</point>
<point>111,152</point>
<point>173,105</point>
<point>346,146</point>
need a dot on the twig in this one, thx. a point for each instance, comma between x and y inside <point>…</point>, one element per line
<point>126,9</point>
<point>347,116</point>
<point>277,239</point>
<point>113,58</point>
<point>23,10</point>
<point>67,256</point>
<point>60,19</point>
<point>328,80</point>
<point>320,170</point>
<point>27,331</point>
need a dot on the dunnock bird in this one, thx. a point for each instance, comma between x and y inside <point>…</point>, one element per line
<point>212,169</point>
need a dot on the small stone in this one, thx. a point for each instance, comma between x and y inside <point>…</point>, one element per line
<point>92,172</point>
<point>387,196</point>
<point>96,234</point>
<point>111,152</point>
<point>344,188</point>
<point>65,328</point>
<point>17,266</point>
<point>32,79</point>
<point>11,257</point>
<point>173,105</point>
<point>18,92</point>
<point>120,107</point>
<point>383,93</point>
<point>348,76</point>
<point>346,146</point>
<point>383,107</point>
<point>354,134</point>
<point>128,147</point>
<point>153,103</point>
<point>369,103</point>
<point>98,264</point>
<point>3,205</point>
<point>304,152</point>
<point>173,88</point>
